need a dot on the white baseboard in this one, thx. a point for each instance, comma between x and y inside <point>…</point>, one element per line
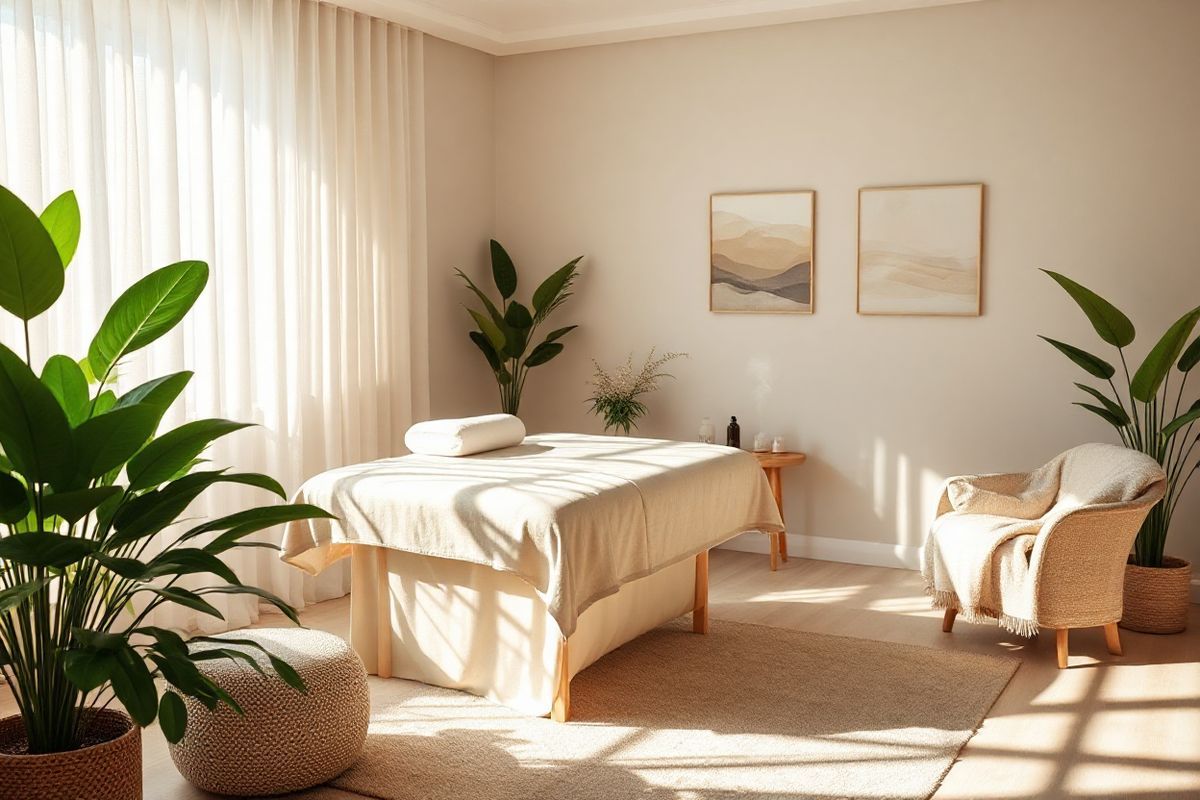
<point>1196,590</point>
<point>847,551</point>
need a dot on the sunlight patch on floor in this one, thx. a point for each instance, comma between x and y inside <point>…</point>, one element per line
<point>830,595</point>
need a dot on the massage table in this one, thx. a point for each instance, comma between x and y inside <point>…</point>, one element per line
<point>506,573</point>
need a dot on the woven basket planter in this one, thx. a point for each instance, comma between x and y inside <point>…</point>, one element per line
<point>1157,598</point>
<point>110,770</point>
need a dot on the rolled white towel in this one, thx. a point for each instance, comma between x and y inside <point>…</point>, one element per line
<point>464,437</point>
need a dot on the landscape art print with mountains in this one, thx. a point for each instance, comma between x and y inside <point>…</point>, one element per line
<point>762,253</point>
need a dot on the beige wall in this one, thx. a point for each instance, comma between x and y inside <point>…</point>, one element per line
<point>460,191</point>
<point>1081,118</point>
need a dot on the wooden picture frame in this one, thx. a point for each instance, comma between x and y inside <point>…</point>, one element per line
<point>920,250</point>
<point>761,252</point>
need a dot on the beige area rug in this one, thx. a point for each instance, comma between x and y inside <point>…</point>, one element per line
<point>744,712</point>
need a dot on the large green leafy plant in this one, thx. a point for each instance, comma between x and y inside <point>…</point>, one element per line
<point>1157,420</point>
<point>86,485</point>
<point>505,330</point>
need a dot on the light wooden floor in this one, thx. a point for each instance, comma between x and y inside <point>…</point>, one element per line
<point>1104,728</point>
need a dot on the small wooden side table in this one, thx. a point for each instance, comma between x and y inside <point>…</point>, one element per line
<point>772,464</point>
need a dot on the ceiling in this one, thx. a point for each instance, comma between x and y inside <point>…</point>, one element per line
<point>507,27</point>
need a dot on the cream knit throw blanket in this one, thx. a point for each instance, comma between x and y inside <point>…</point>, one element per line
<point>977,556</point>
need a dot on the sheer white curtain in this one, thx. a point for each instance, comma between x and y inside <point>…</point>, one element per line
<point>278,140</point>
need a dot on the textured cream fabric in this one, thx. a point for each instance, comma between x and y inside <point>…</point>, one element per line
<point>979,555</point>
<point>468,627</point>
<point>575,516</point>
<point>464,437</point>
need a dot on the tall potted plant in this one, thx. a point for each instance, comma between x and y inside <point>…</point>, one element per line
<point>86,484</point>
<point>506,329</point>
<point>1151,413</point>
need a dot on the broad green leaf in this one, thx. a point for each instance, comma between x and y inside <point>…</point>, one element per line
<point>159,460</point>
<point>31,271</point>
<point>1179,422</point>
<point>504,273</point>
<point>256,519</point>
<point>34,431</point>
<point>1091,364</point>
<point>215,653</point>
<point>61,220</point>
<point>172,717</point>
<point>1153,371</point>
<point>14,595</point>
<point>66,381</point>
<point>263,594</point>
<point>190,561</point>
<point>1111,325</point>
<point>493,312</point>
<point>182,674</point>
<point>167,641</point>
<point>1104,414</point>
<point>489,328</point>
<point>543,353</point>
<point>76,504</point>
<point>89,669</point>
<point>486,348</point>
<point>148,309</point>
<point>14,499</point>
<point>105,402</point>
<point>108,441</point>
<point>518,316</point>
<point>37,549</point>
<point>134,686</point>
<point>1114,408</point>
<point>1191,356</point>
<point>186,598</point>
<point>552,290</point>
<point>559,333</point>
<point>281,667</point>
<point>158,394</point>
<point>504,377</point>
<point>515,342</point>
<point>152,511</point>
<point>99,640</point>
<point>254,479</point>
<point>128,568</point>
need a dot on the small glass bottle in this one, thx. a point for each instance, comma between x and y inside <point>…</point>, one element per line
<point>708,434</point>
<point>733,433</point>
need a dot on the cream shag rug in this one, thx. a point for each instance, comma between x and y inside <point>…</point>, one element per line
<point>744,712</point>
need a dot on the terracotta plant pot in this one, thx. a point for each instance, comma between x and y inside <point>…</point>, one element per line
<point>1157,598</point>
<point>108,770</point>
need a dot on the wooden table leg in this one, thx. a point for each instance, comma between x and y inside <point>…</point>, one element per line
<point>560,708</point>
<point>775,478</point>
<point>773,537</point>
<point>700,602</point>
<point>383,611</point>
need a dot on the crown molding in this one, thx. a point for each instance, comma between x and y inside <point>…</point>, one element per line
<point>428,18</point>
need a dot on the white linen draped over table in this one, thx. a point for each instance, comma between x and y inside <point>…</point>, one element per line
<point>574,516</point>
<point>282,141</point>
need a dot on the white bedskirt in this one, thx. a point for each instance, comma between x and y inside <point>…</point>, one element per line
<point>469,627</point>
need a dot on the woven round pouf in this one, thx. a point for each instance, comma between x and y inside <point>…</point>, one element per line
<point>286,741</point>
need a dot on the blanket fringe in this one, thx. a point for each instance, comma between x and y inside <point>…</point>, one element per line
<point>1016,625</point>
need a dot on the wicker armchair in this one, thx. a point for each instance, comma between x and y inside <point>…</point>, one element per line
<point>1077,564</point>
